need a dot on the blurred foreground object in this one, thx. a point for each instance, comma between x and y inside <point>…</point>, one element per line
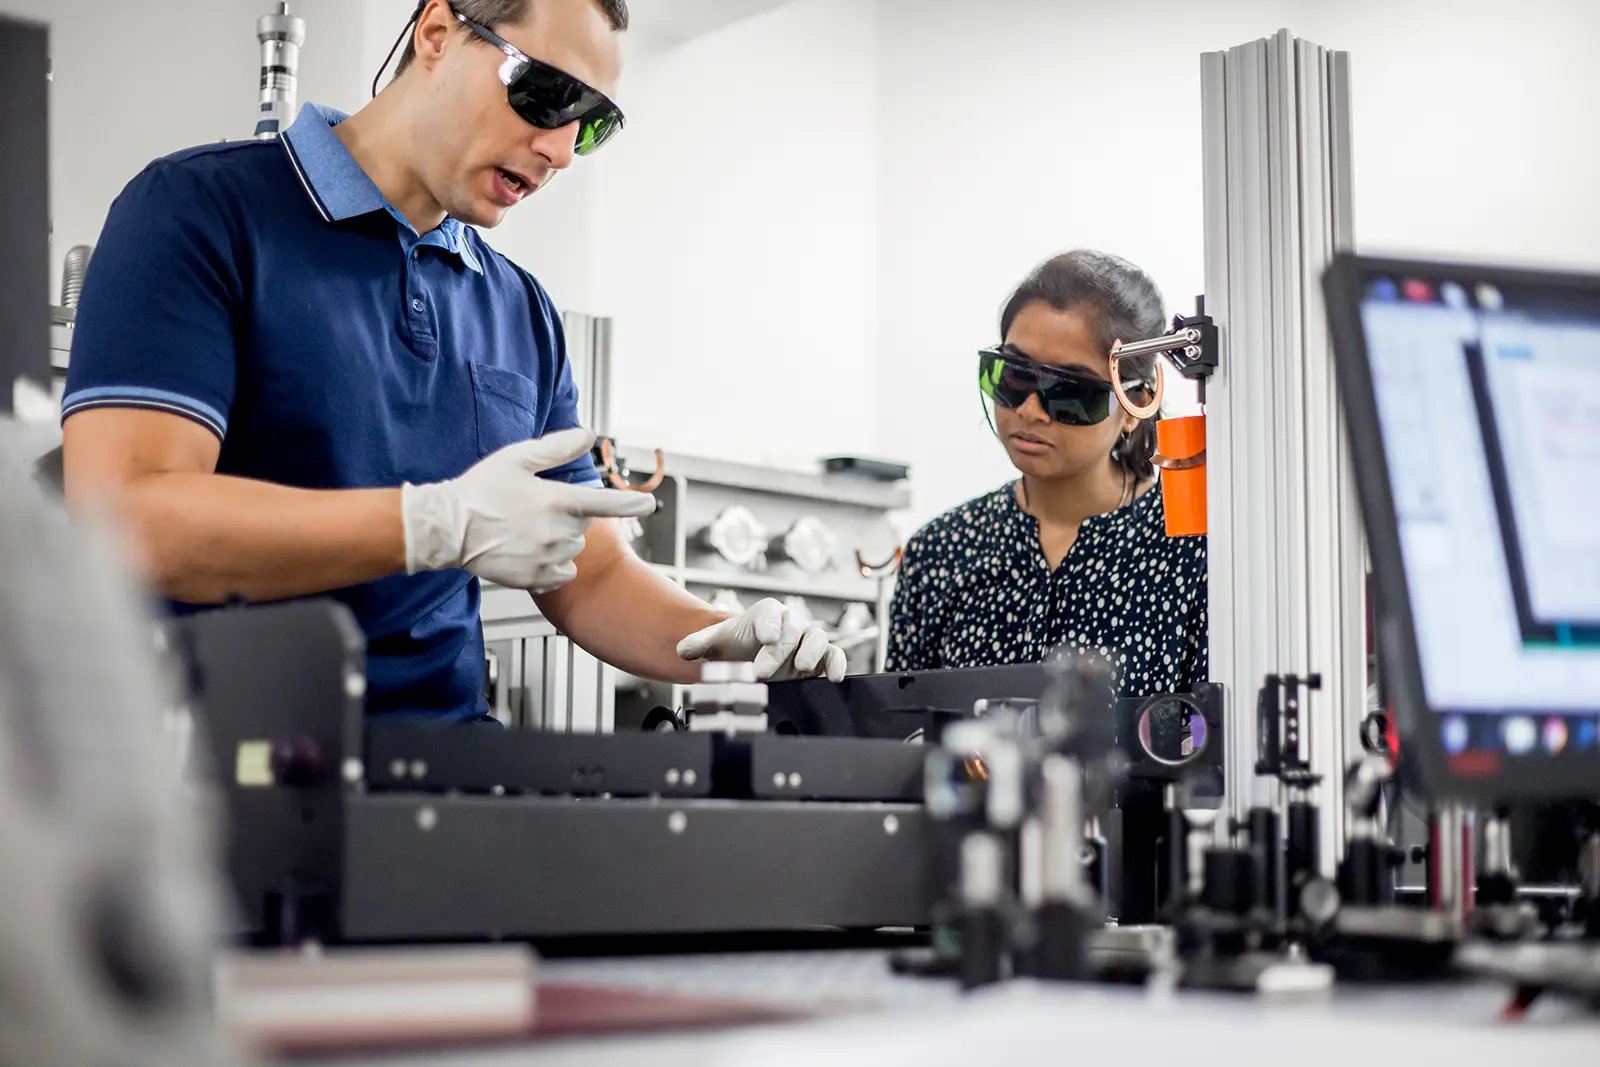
<point>106,933</point>
<point>25,210</point>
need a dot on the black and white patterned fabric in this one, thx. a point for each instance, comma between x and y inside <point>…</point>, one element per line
<point>975,590</point>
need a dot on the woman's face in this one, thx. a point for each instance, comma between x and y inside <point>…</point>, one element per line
<point>1037,445</point>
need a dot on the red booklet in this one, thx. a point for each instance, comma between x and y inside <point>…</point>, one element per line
<point>302,1004</point>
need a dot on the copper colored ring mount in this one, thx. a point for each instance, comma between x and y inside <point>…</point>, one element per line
<point>609,458</point>
<point>1149,411</point>
<point>880,570</point>
<point>1188,463</point>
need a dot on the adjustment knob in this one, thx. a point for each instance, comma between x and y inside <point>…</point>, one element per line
<point>297,762</point>
<point>717,673</point>
<point>808,544</point>
<point>737,536</point>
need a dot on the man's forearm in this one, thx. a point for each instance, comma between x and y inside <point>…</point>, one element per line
<point>623,612</point>
<point>205,538</point>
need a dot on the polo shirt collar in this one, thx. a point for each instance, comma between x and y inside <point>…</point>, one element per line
<point>339,189</point>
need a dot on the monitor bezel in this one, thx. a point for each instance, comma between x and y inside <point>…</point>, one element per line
<point>1533,776</point>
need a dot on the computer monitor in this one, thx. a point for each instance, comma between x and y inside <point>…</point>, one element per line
<point>1471,397</point>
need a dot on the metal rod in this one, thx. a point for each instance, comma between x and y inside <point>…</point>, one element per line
<point>572,680</point>
<point>281,36</point>
<point>73,271</point>
<point>1062,831</point>
<point>1496,844</point>
<point>1157,345</point>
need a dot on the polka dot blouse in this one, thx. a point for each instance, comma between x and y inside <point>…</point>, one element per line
<point>975,590</point>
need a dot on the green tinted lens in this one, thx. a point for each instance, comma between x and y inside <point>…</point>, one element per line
<point>1076,403</point>
<point>597,131</point>
<point>1067,398</point>
<point>990,367</point>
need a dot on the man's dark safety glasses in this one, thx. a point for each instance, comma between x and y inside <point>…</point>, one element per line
<point>550,98</point>
<point>543,96</point>
<point>1068,397</point>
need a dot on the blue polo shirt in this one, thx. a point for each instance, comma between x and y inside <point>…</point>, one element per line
<point>269,292</point>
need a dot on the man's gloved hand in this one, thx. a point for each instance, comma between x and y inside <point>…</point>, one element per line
<point>782,644</point>
<point>504,523</point>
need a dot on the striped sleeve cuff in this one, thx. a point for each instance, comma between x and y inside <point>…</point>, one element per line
<point>128,396</point>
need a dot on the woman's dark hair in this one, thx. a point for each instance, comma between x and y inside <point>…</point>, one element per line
<point>1124,304</point>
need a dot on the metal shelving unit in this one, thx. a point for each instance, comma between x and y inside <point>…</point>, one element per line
<point>545,682</point>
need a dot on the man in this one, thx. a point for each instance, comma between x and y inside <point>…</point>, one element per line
<point>297,371</point>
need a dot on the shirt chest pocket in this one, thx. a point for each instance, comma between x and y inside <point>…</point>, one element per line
<point>506,405</point>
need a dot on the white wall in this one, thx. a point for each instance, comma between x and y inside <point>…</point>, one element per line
<point>731,231</point>
<point>817,211</point>
<point>1474,125</point>
<point>1011,129</point>
<point>134,81</point>
<point>737,239</point>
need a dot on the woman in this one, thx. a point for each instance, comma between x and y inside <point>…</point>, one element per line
<point>1075,551</point>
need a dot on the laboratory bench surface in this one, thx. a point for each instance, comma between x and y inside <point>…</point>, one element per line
<point>859,1012</point>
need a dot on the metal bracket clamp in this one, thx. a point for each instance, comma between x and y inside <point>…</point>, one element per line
<point>1190,346</point>
<point>619,480</point>
<point>880,570</point>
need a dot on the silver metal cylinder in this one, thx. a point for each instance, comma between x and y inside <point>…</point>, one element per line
<point>982,870</point>
<point>1496,845</point>
<point>1156,345</point>
<point>714,672</point>
<point>1451,860</point>
<point>281,35</point>
<point>1589,867</point>
<point>1061,826</point>
<point>73,271</point>
<point>1201,839</point>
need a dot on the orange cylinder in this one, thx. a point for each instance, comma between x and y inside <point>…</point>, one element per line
<point>1183,492</point>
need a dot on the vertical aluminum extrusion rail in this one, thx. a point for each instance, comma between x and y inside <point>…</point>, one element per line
<point>1287,558</point>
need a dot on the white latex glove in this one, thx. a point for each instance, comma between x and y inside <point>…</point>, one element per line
<point>782,644</point>
<point>504,523</point>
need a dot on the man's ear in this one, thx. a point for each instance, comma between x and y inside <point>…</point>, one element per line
<point>432,32</point>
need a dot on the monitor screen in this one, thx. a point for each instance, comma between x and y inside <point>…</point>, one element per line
<point>1486,386</point>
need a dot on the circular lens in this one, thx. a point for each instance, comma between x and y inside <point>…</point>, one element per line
<point>1172,731</point>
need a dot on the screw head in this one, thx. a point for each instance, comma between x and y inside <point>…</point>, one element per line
<point>891,825</point>
<point>673,776</point>
<point>419,769</point>
<point>689,777</point>
<point>353,771</point>
<point>427,819</point>
<point>355,685</point>
<point>677,822</point>
<point>794,780</point>
<point>398,768</point>
<point>778,780</point>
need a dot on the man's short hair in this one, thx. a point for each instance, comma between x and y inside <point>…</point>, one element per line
<point>492,14</point>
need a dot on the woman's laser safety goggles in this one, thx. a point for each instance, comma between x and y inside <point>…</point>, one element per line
<point>549,98</point>
<point>1069,397</point>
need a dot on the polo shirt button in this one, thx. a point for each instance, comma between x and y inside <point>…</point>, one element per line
<point>416,305</point>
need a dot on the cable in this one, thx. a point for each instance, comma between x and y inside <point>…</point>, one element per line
<point>398,41</point>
